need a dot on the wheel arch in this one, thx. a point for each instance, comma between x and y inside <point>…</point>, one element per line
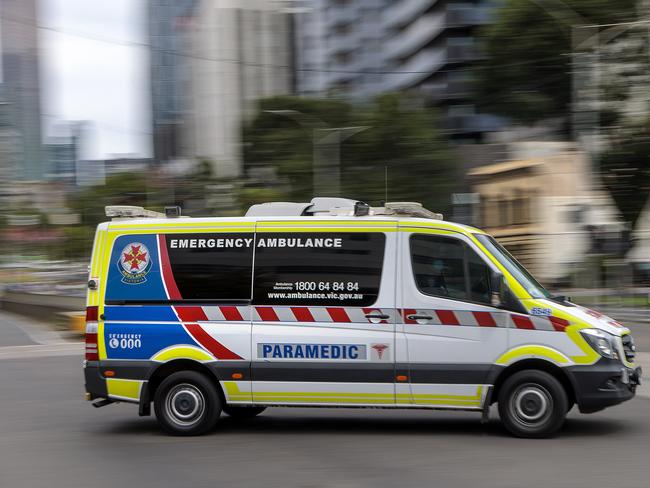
<point>535,364</point>
<point>162,371</point>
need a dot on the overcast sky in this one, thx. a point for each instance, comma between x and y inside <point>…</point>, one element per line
<point>87,76</point>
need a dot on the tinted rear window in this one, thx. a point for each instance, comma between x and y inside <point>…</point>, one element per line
<point>212,266</point>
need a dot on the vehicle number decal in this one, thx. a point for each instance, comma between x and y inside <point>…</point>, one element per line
<point>542,312</point>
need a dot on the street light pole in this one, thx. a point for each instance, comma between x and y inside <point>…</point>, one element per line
<point>326,153</point>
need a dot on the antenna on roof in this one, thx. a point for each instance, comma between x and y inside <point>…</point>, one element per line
<point>385,183</point>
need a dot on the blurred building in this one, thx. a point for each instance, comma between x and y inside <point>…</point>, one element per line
<point>21,83</point>
<point>62,149</point>
<point>240,52</point>
<point>339,47</point>
<point>639,255</point>
<point>94,172</point>
<point>10,146</point>
<point>170,24</point>
<point>543,203</point>
<point>361,48</point>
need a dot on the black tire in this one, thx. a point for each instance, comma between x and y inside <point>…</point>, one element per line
<point>187,403</point>
<point>532,404</point>
<point>241,412</point>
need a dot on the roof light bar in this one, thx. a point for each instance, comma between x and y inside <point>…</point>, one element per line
<point>129,211</point>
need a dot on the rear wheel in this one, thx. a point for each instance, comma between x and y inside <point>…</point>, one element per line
<point>187,403</point>
<point>241,412</point>
<point>532,404</point>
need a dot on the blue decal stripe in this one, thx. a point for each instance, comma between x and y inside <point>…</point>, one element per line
<point>136,313</point>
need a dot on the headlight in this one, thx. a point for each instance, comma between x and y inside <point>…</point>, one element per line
<point>602,342</point>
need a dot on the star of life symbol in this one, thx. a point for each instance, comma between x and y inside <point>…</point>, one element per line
<point>134,263</point>
<point>380,350</point>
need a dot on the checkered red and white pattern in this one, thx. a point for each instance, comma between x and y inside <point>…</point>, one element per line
<point>462,318</point>
<point>483,319</point>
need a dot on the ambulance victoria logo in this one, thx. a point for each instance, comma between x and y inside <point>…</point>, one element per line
<point>134,263</point>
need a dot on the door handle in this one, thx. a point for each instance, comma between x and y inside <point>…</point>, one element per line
<point>375,318</point>
<point>419,317</point>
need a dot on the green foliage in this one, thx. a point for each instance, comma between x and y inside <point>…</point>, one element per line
<point>89,203</point>
<point>527,74</point>
<point>404,143</point>
<point>625,171</point>
<point>78,241</point>
<point>151,190</point>
<point>120,189</point>
<point>401,137</point>
<point>285,142</point>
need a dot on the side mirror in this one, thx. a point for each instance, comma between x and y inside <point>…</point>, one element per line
<point>497,287</point>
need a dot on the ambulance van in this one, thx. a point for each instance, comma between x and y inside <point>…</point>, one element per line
<point>333,303</point>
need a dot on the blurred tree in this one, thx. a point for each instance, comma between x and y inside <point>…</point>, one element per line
<point>402,137</point>
<point>89,203</point>
<point>625,171</point>
<point>190,190</point>
<point>120,189</point>
<point>281,137</point>
<point>527,72</point>
<point>402,155</point>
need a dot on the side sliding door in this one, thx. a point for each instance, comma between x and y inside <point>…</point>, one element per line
<point>323,313</point>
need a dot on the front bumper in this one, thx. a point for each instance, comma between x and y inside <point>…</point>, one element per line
<point>601,385</point>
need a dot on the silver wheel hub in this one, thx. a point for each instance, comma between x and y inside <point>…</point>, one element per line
<point>531,404</point>
<point>184,404</point>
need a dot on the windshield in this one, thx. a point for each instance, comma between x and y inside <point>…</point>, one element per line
<point>515,268</point>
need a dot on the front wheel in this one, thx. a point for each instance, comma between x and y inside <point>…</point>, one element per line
<point>532,404</point>
<point>186,403</point>
<point>239,412</point>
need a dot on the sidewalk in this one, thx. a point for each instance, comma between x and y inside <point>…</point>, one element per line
<point>17,330</point>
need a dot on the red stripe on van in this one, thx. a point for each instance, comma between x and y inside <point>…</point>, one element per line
<point>447,317</point>
<point>406,313</point>
<point>166,270</point>
<point>302,314</point>
<point>559,324</point>
<point>484,319</point>
<point>191,314</point>
<point>231,314</point>
<point>338,315</point>
<point>267,314</point>
<point>522,322</point>
<point>217,349</point>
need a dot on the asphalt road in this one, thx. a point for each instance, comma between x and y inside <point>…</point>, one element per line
<point>50,437</point>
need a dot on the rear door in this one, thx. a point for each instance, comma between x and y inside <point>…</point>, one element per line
<point>452,333</point>
<point>323,313</point>
<point>181,293</point>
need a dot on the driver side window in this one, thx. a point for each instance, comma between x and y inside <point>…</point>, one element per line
<point>447,267</point>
